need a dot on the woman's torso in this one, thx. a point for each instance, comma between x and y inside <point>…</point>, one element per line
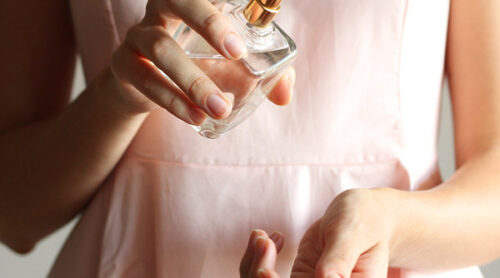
<point>364,114</point>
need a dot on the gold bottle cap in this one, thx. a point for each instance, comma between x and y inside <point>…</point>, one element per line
<point>261,13</point>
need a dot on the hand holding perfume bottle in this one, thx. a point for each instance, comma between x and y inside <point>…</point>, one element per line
<point>247,81</point>
<point>203,81</point>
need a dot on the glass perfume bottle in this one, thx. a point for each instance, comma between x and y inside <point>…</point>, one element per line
<point>247,81</point>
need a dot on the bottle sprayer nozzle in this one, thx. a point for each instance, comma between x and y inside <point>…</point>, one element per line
<point>261,13</point>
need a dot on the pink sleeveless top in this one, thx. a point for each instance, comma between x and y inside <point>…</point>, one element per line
<point>364,114</point>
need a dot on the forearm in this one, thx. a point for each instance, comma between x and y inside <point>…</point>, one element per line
<point>51,168</point>
<point>453,225</point>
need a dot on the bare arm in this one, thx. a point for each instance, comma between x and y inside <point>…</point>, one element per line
<point>52,159</point>
<point>454,225</point>
<point>461,216</point>
<point>54,156</point>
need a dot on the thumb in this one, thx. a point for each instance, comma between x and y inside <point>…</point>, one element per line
<point>373,263</point>
<point>338,258</point>
<point>281,94</point>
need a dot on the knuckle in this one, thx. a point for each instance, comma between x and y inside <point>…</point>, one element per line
<point>160,46</point>
<point>147,87</point>
<point>335,233</point>
<point>341,258</point>
<point>172,103</point>
<point>196,86</point>
<point>176,105</point>
<point>354,196</point>
<point>348,214</point>
<point>132,34</point>
<point>169,100</point>
<point>117,61</point>
<point>213,21</point>
<point>141,79</point>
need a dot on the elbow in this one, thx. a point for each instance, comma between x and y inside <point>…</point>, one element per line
<point>22,248</point>
<point>18,244</point>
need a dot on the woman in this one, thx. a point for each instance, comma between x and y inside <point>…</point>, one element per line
<point>159,200</point>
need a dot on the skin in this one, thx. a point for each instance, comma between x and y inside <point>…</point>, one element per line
<point>452,225</point>
<point>55,155</point>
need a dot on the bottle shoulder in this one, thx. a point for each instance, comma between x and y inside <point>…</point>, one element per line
<point>267,48</point>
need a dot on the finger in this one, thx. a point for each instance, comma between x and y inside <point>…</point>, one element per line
<point>308,253</point>
<point>268,273</point>
<point>279,240</point>
<point>246,261</point>
<point>302,275</point>
<point>148,80</point>
<point>281,94</point>
<point>154,43</point>
<point>207,21</point>
<point>264,256</point>
<point>373,263</point>
<point>338,257</point>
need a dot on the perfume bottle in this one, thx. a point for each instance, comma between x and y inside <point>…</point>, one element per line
<point>247,81</point>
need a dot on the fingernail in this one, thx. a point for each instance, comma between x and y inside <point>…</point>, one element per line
<point>197,116</point>
<point>260,245</point>
<point>256,239</point>
<point>234,46</point>
<point>217,105</point>
<point>261,272</point>
<point>257,232</point>
<point>274,236</point>
<point>277,238</point>
<point>254,233</point>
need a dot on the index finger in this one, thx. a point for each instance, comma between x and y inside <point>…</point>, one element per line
<point>208,21</point>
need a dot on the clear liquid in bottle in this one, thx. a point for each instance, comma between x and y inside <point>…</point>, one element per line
<point>246,82</point>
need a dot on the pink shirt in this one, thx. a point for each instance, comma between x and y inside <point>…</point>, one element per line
<point>364,114</point>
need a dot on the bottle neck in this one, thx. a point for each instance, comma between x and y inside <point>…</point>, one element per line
<point>256,37</point>
<point>261,13</point>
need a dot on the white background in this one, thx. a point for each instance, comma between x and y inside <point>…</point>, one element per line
<point>37,263</point>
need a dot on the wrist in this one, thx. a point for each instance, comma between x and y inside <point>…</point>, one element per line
<point>112,94</point>
<point>408,215</point>
<point>395,210</point>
